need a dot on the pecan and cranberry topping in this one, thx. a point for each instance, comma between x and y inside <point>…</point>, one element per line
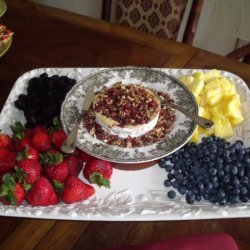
<point>162,128</point>
<point>127,104</point>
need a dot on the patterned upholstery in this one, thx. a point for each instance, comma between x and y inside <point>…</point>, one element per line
<point>158,17</point>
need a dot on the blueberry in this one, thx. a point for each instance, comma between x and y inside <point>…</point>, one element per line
<point>182,189</point>
<point>190,198</point>
<point>168,167</point>
<point>171,176</point>
<point>171,194</point>
<point>198,197</point>
<point>212,171</point>
<point>167,183</point>
<point>162,163</point>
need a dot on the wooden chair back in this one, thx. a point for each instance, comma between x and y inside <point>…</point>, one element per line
<point>158,17</point>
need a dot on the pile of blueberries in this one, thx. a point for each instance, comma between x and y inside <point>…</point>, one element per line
<point>214,170</point>
<point>44,98</point>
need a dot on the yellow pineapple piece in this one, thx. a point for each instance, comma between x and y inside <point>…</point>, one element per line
<point>187,80</point>
<point>212,74</point>
<point>226,85</point>
<point>209,131</point>
<point>214,99</point>
<point>217,113</point>
<point>235,121</point>
<point>231,104</point>
<point>198,100</point>
<point>223,128</point>
<point>196,86</point>
<point>198,75</point>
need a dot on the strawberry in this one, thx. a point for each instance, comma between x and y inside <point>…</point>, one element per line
<point>58,137</point>
<point>41,141</point>
<point>98,171</point>
<point>57,134</point>
<point>11,192</point>
<point>42,193</point>
<point>75,190</point>
<point>55,168</point>
<point>29,153</point>
<point>28,170</point>
<point>74,165</point>
<point>84,156</point>
<point>7,160</point>
<point>6,142</point>
<point>40,129</point>
<point>22,144</point>
<point>20,141</point>
<point>58,172</point>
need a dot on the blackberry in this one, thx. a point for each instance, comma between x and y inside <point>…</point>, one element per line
<point>43,100</point>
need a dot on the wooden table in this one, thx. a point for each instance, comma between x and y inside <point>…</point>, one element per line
<point>47,37</point>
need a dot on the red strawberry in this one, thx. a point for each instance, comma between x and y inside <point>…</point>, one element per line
<point>40,129</point>
<point>74,165</point>
<point>98,171</point>
<point>22,144</point>
<point>30,170</point>
<point>75,190</point>
<point>29,153</point>
<point>6,142</point>
<point>41,141</point>
<point>42,193</point>
<point>7,160</point>
<point>58,172</point>
<point>58,137</point>
<point>11,192</point>
<point>84,156</point>
<point>55,168</point>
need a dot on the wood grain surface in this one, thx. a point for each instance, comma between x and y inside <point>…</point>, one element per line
<point>47,37</point>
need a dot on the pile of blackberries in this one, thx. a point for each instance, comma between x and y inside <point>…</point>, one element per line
<point>44,98</point>
<point>214,170</point>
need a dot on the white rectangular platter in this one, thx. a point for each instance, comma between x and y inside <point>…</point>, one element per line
<point>134,195</point>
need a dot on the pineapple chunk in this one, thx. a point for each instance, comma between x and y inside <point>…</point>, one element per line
<point>187,80</point>
<point>237,120</point>
<point>211,92</point>
<point>198,75</point>
<point>226,86</point>
<point>231,104</point>
<point>209,131</point>
<point>212,74</point>
<point>223,128</point>
<point>217,112</point>
<point>214,99</point>
<point>196,86</point>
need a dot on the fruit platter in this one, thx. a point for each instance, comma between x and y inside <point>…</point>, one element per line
<point>206,176</point>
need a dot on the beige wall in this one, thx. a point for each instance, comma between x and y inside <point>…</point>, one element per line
<point>221,21</point>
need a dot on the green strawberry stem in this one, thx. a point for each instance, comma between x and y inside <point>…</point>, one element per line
<point>56,125</point>
<point>17,130</point>
<point>51,159</point>
<point>7,188</point>
<point>98,179</point>
<point>20,175</point>
<point>57,185</point>
<point>22,155</point>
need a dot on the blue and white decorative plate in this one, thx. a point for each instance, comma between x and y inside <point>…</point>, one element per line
<point>183,127</point>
